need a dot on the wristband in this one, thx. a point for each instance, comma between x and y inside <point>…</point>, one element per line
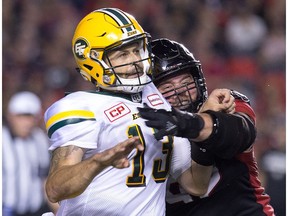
<point>215,122</point>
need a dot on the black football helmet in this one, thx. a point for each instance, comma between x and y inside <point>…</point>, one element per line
<point>171,58</point>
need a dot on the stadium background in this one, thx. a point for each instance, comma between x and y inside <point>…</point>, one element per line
<point>241,45</point>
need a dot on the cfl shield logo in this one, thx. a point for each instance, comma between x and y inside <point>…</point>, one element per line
<point>117,111</point>
<point>79,48</point>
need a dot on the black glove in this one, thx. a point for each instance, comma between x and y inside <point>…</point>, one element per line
<point>175,123</point>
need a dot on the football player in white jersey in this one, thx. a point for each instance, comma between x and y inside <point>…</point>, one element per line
<point>105,160</point>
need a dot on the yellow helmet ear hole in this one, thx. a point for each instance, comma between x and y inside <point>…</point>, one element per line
<point>94,54</point>
<point>85,75</point>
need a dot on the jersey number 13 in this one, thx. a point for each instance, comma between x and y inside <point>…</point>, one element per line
<point>138,179</point>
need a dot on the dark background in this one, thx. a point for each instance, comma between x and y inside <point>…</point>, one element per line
<point>241,45</point>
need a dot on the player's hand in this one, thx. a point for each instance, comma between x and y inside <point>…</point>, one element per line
<point>118,155</point>
<point>219,100</point>
<point>175,123</point>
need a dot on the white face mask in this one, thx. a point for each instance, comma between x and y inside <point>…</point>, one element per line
<point>135,84</point>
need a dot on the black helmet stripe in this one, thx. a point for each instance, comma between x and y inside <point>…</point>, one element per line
<point>120,18</point>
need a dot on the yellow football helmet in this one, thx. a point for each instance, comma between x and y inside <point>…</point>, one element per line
<point>100,32</point>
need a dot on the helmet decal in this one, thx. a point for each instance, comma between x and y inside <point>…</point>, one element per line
<point>79,48</point>
<point>120,18</point>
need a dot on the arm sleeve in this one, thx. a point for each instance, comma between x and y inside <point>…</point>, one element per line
<point>70,123</point>
<point>232,133</point>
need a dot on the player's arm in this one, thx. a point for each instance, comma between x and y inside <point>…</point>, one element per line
<point>196,179</point>
<point>193,177</point>
<point>218,100</point>
<point>69,176</point>
<point>232,133</point>
<point>222,133</point>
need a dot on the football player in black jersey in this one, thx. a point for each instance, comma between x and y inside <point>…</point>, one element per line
<point>235,189</point>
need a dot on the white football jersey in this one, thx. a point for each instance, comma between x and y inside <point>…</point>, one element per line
<point>98,121</point>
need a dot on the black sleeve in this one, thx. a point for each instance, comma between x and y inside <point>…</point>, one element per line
<point>201,156</point>
<point>232,134</point>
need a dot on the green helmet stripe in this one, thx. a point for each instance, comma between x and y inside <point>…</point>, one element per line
<point>119,17</point>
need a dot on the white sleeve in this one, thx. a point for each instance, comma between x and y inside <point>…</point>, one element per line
<point>181,157</point>
<point>68,122</point>
<point>82,134</point>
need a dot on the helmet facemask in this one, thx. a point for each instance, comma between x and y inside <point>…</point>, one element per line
<point>172,59</point>
<point>117,76</point>
<point>176,92</point>
<point>181,94</point>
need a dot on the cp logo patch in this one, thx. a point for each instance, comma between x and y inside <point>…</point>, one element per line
<point>117,112</point>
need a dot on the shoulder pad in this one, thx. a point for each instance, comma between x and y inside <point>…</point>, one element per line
<point>237,95</point>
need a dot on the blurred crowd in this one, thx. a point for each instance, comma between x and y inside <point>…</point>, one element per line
<point>241,45</point>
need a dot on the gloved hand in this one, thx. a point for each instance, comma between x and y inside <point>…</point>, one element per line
<point>175,122</point>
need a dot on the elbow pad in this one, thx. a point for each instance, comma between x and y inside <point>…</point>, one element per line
<point>232,134</point>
